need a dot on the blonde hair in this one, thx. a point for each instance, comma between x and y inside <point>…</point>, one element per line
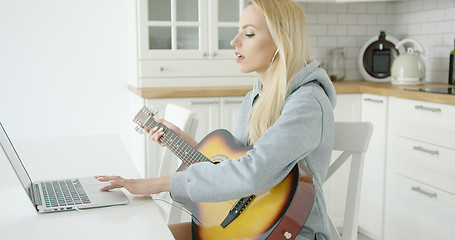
<point>287,26</point>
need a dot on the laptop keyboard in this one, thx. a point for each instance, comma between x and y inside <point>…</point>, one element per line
<point>64,193</point>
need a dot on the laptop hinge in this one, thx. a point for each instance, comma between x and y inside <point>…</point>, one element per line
<point>36,195</point>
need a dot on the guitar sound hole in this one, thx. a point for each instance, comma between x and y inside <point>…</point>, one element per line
<point>218,158</point>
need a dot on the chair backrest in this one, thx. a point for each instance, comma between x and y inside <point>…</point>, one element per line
<point>169,163</point>
<point>184,119</point>
<point>352,139</point>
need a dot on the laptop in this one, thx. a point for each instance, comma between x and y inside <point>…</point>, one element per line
<point>64,194</point>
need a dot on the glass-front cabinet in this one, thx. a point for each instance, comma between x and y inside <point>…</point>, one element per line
<point>188,29</point>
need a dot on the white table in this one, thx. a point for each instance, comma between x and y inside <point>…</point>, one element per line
<point>64,157</point>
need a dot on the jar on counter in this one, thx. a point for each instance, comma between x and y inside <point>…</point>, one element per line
<point>335,64</point>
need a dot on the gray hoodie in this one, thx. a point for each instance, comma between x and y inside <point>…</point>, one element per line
<point>303,134</point>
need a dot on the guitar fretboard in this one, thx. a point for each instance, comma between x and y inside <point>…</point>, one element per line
<point>188,154</point>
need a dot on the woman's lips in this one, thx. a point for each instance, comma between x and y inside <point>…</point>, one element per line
<point>239,57</point>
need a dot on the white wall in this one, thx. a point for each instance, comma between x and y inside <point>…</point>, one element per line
<point>350,25</point>
<point>64,68</point>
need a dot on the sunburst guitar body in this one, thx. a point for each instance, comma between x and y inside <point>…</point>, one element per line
<point>278,213</point>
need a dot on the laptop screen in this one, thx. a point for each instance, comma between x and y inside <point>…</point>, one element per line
<point>14,159</point>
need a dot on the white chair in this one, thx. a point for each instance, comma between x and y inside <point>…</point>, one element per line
<point>169,163</point>
<point>352,139</point>
<point>184,119</point>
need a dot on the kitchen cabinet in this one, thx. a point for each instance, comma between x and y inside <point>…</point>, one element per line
<point>188,29</point>
<point>348,109</point>
<point>371,213</point>
<point>420,187</point>
<point>372,108</point>
<point>187,43</point>
<point>211,112</point>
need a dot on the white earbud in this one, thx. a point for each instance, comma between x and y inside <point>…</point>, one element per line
<point>274,55</point>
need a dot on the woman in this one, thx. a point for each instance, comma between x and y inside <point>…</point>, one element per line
<point>288,117</point>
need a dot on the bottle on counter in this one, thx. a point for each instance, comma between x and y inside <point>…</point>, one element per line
<point>335,65</point>
<point>452,66</point>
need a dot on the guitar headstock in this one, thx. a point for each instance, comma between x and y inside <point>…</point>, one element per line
<point>142,118</point>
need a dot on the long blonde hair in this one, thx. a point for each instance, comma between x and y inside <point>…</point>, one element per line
<point>287,26</point>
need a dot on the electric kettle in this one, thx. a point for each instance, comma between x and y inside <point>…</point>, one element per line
<point>409,67</point>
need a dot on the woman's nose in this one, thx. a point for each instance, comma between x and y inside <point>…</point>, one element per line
<point>234,41</point>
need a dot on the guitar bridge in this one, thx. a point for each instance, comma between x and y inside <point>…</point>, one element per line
<point>236,210</point>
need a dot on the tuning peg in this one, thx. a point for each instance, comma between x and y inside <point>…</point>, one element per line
<point>153,110</point>
<point>139,129</point>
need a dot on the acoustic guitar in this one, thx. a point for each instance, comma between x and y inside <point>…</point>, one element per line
<point>279,213</point>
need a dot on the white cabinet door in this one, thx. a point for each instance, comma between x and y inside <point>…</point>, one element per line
<point>371,216</point>
<point>229,109</point>
<point>348,108</point>
<point>417,211</point>
<point>207,112</point>
<point>188,29</point>
<point>173,29</point>
<point>223,24</point>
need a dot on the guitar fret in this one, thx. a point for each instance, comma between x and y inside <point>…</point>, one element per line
<point>177,145</point>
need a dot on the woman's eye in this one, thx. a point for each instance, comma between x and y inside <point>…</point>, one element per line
<point>249,34</point>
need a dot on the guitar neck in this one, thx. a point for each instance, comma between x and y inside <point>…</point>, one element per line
<point>188,154</point>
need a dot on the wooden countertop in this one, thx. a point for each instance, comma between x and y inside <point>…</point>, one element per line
<point>190,92</point>
<point>345,87</point>
<point>389,89</point>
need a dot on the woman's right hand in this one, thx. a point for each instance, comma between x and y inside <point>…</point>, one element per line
<point>137,186</point>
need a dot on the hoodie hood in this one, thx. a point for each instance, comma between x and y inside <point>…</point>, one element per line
<point>310,73</point>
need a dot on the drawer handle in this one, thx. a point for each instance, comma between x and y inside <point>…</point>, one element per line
<point>421,149</point>
<point>421,107</point>
<point>203,102</point>
<point>232,101</point>
<point>429,194</point>
<point>373,100</point>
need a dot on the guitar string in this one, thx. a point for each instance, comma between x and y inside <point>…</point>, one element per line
<point>181,148</point>
<point>169,137</point>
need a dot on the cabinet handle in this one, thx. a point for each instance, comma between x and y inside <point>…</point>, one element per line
<point>214,54</point>
<point>203,102</point>
<point>373,100</point>
<point>232,101</point>
<point>421,149</point>
<point>161,69</point>
<point>429,194</point>
<point>421,107</point>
